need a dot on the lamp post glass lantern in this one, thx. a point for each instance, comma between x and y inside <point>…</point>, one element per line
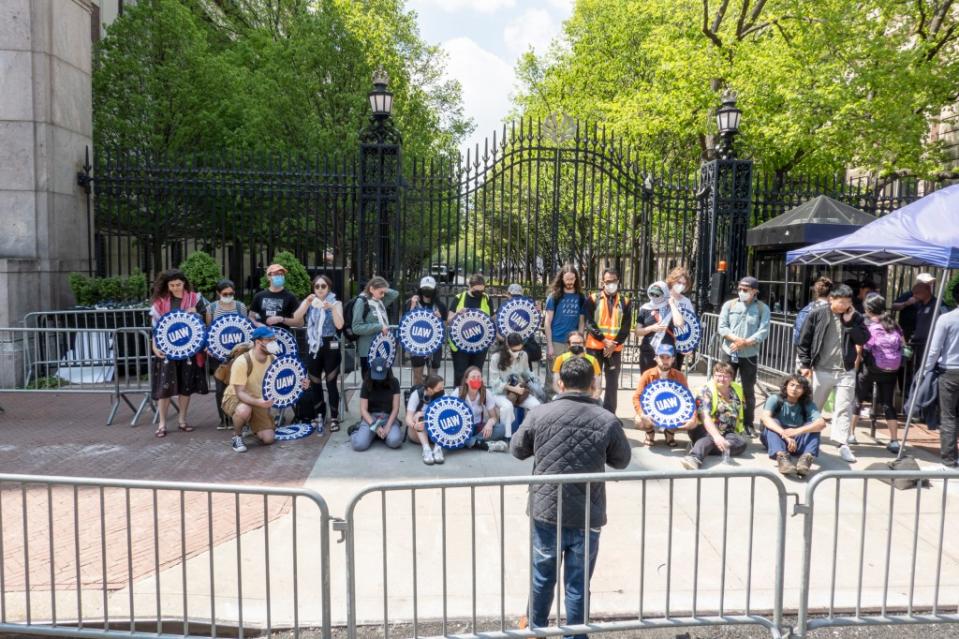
<point>381,100</point>
<point>727,119</point>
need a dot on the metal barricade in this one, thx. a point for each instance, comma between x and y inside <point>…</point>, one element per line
<point>867,583</point>
<point>93,557</point>
<point>105,318</point>
<point>777,355</point>
<point>455,555</point>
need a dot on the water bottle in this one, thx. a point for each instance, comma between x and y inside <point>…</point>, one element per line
<point>726,455</point>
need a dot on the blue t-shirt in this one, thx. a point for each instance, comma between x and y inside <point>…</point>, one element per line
<point>791,415</point>
<point>566,315</point>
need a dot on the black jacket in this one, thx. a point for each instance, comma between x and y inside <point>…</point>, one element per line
<point>854,333</point>
<point>571,434</point>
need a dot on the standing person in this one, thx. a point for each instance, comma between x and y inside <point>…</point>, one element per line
<point>324,317</point>
<point>915,318</point>
<point>510,373</point>
<point>176,378</point>
<point>608,322</point>
<point>275,306</point>
<point>226,304</point>
<point>488,432</point>
<point>571,434</point>
<point>664,369</point>
<point>370,318</point>
<point>426,298</point>
<point>380,400</point>
<point>416,432</point>
<point>944,354</point>
<point>791,426</point>
<point>474,297</point>
<point>655,324</point>
<point>721,419</point>
<point>827,356</point>
<point>881,359</point>
<point>564,311</point>
<point>576,347</point>
<point>743,326</point>
<point>820,294</point>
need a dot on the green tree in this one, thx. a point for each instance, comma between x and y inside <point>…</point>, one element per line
<point>203,273</point>
<point>823,84</point>
<point>297,278</point>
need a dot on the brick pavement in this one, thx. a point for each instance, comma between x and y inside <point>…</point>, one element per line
<point>60,434</point>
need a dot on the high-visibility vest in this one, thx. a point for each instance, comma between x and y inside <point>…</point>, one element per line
<point>608,322</point>
<point>460,303</point>
<point>738,391</point>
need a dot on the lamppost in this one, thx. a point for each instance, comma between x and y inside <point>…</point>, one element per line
<point>726,200</point>
<point>380,179</point>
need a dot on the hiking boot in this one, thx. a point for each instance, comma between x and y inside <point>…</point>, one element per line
<point>238,445</point>
<point>786,467</point>
<point>497,447</point>
<point>438,454</point>
<point>804,465</point>
<point>691,463</point>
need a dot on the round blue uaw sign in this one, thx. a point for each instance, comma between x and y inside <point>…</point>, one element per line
<point>668,403</point>
<point>518,315</point>
<point>449,421</point>
<point>421,332</point>
<point>283,381</point>
<point>688,335</point>
<point>472,331</point>
<point>293,431</point>
<point>287,342</point>
<point>383,346</point>
<point>226,332</point>
<point>180,335</point>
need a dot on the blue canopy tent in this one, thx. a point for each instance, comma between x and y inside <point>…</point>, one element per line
<point>924,233</point>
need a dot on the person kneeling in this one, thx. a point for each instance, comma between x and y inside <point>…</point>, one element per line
<point>665,356</point>
<point>721,415</point>
<point>379,409</point>
<point>792,426</point>
<point>432,388</point>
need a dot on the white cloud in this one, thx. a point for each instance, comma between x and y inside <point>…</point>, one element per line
<point>565,7</point>
<point>487,82</point>
<point>534,28</point>
<point>450,6</point>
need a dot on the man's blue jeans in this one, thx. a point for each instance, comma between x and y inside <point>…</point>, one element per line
<point>573,555</point>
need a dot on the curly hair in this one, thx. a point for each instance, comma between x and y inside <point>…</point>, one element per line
<point>806,387</point>
<point>559,287</point>
<point>161,284</point>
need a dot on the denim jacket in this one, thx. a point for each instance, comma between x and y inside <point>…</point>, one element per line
<point>748,322</point>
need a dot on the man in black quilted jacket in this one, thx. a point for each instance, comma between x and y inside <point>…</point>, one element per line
<point>571,434</point>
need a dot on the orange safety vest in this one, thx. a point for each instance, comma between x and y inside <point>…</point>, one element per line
<point>607,322</point>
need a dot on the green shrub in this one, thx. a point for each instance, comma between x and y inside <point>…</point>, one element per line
<point>98,291</point>
<point>203,273</point>
<point>947,297</point>
<point>297,279</point>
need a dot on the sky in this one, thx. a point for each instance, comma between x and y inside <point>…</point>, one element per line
<point>483,40</point>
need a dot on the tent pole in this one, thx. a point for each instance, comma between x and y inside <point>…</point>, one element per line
<point>786,293</point>
<point>917,377</point>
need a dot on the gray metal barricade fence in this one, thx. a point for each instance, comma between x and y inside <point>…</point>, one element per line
<point>87,319</point>
<point>96,557</point>
<point>777,355</point>
<point>457,553</point>
<point>72,360</point>
<point>863,584</point>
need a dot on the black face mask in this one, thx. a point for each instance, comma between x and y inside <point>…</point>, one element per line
<point>427,293</point>
<point>577,349</point>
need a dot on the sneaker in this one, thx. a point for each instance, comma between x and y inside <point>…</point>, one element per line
<point>238,445</point>
<point>224,425</point>
<point>246,432</point>
<point>846,454</point>
<point>786,467</point>
<point>438,454</point>
<point>893,447</point>
<point>749,431</point>
<point>428,457</point>
<point>804,465</point>
<point>852,439</point>
<point>497,447</point>
<point>691,463</point>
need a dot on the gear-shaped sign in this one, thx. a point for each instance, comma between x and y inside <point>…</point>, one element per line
<point>287,342</point>
<point>283,381</point>
<point>449,421</point>
<point>384,346</point>
<point>293,431</point>
<point>518,315</point>
<point>226,332</point>
<point>421,332</point>
<point>668,403</point>
<point>688,335</point>
<point>180,335</point>
<point>472,331</point>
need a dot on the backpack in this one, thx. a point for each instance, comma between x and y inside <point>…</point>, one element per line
<point>222,372</point>
<point>801,319</point>
<point>348,317</point>
<point>885,348</point>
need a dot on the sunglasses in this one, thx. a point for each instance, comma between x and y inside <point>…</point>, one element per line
<point>319,286</point>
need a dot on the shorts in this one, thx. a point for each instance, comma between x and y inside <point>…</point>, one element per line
<point>260,419</point>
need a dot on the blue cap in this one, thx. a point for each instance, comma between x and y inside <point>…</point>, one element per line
<point>666,349</point>
<point>263,332</point>
<point>378,368</point>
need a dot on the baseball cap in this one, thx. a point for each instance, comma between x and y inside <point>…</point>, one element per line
<point>427,282</point>
<point>749,282</point>
<point>274,268</point>
<point>263,332</point>
<point>925,278</point>
<point>666,349</point>
<point>378,368</point>
<point>515,289</point>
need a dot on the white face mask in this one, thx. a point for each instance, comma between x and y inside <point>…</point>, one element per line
<point>226,299</point>
<point>316,303</point>
<point>679,288</point>
<point>611,288</point>
<point>273,348</point>
<point>744,296</point>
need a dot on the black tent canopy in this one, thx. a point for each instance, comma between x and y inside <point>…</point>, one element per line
<point>819,219</point>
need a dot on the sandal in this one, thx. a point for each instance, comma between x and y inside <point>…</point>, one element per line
<point>186,428</point>
<point>334,424</point>
<point>670,439</point>
<point>650,438</point>
<point>160,432</point>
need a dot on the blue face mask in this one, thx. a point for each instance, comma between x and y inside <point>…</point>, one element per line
<point>278,280</point>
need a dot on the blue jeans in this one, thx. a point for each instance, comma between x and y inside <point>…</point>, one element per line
<point>805,443</point>
<point>573,549</point>
<point>499,432</point>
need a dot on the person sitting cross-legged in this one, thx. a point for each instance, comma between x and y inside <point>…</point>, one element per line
<point>792,426</point>
<point>721,419</point>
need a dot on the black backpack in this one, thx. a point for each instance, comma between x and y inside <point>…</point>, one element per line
<point>348,318</point>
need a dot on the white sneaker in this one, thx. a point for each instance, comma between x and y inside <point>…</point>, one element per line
<point>438,454</point>
<point>427,457</point>
<point>238,445</point>
<point>497,447</point>
<point>852,439</point>
<point>846,454</point>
